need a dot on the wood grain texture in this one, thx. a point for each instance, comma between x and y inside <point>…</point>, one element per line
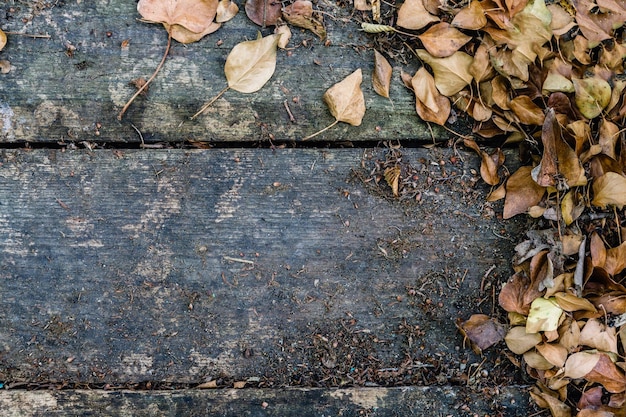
<point>182,266</point>
<point>52,95</point>
<point>349,402</point>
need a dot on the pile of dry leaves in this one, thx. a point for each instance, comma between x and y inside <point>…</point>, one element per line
<point>550,78</point>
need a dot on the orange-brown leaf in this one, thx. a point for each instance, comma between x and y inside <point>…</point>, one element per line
<point>381,78</point>
<point>442,40</point>
<point>413,15</point>
<point>471,17</point>
<point>522,192</point>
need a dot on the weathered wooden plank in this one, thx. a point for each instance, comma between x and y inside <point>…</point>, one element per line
<point>348,402</point>
<point>283,266</point>
<point>53,95</point>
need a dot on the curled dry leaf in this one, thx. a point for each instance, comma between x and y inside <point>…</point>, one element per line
<point>285,35</point>
<point>430,105</point>
<point>490,163</point>
<point>381,79</point>
<point>442,40</point>
<point>226,10</point>
<point>300,13</point>
<point>263,12</point>
<point>451,73</point>
<point>553,353</point>
<point>392,177</point>
<point>413,15</point>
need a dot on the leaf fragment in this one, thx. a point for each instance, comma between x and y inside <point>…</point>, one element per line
<point>522,192</point>
<point>226,10</point>
<point>3,40</point>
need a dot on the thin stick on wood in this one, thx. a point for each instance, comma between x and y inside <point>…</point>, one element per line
<point>143,87</point>
<point>28,35</point>
<point>321,131</point>
<point>213,100</point>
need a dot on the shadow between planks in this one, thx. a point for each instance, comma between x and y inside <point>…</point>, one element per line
<point>282,268</point>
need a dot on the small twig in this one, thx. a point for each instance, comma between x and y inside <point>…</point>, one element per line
<point>213,100</point>
<point>291,118</point>
<point>243,261</point>
<point>28,35</point>
<point>143,87</point>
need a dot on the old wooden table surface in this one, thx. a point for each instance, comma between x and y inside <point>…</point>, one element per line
<point>130,276</point>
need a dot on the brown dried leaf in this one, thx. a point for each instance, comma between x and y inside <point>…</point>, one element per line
<point>482,331</point>
<point>3,40</point>
<point>413,15</point>
<point>345,99</point>
<point>381,78</point>
<point>527,111</point>
<point>182,35</point>
<point>605,372</point>
<point>300,13</point>
<point>608,135</point>
<point>522,192</point>
<point>599,336</point>
<point>616,259</point>
<point>553,353</point>
<point>451,73</point>
<point>520,342</point>
<point>239,384</point>
<point>429,103</point>
<point>264,12</point>
<point>392,176</point>
<point>471,17</point>
<point>490,163</point>
<point>193,15</point>
<point>442,40</point>
<point>226,10</point>
<point>570,302</point>
<point>609,189</point>
<point>481,68</point>
<point>598,251</point>
<point>557,408</point>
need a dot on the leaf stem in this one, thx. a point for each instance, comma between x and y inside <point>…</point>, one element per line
<point>143,87</point>
<point>28,35</point>
<point>321,131</point>
<point>213,100</point>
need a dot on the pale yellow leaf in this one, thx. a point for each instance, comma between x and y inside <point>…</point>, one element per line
<point>251,64</point>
